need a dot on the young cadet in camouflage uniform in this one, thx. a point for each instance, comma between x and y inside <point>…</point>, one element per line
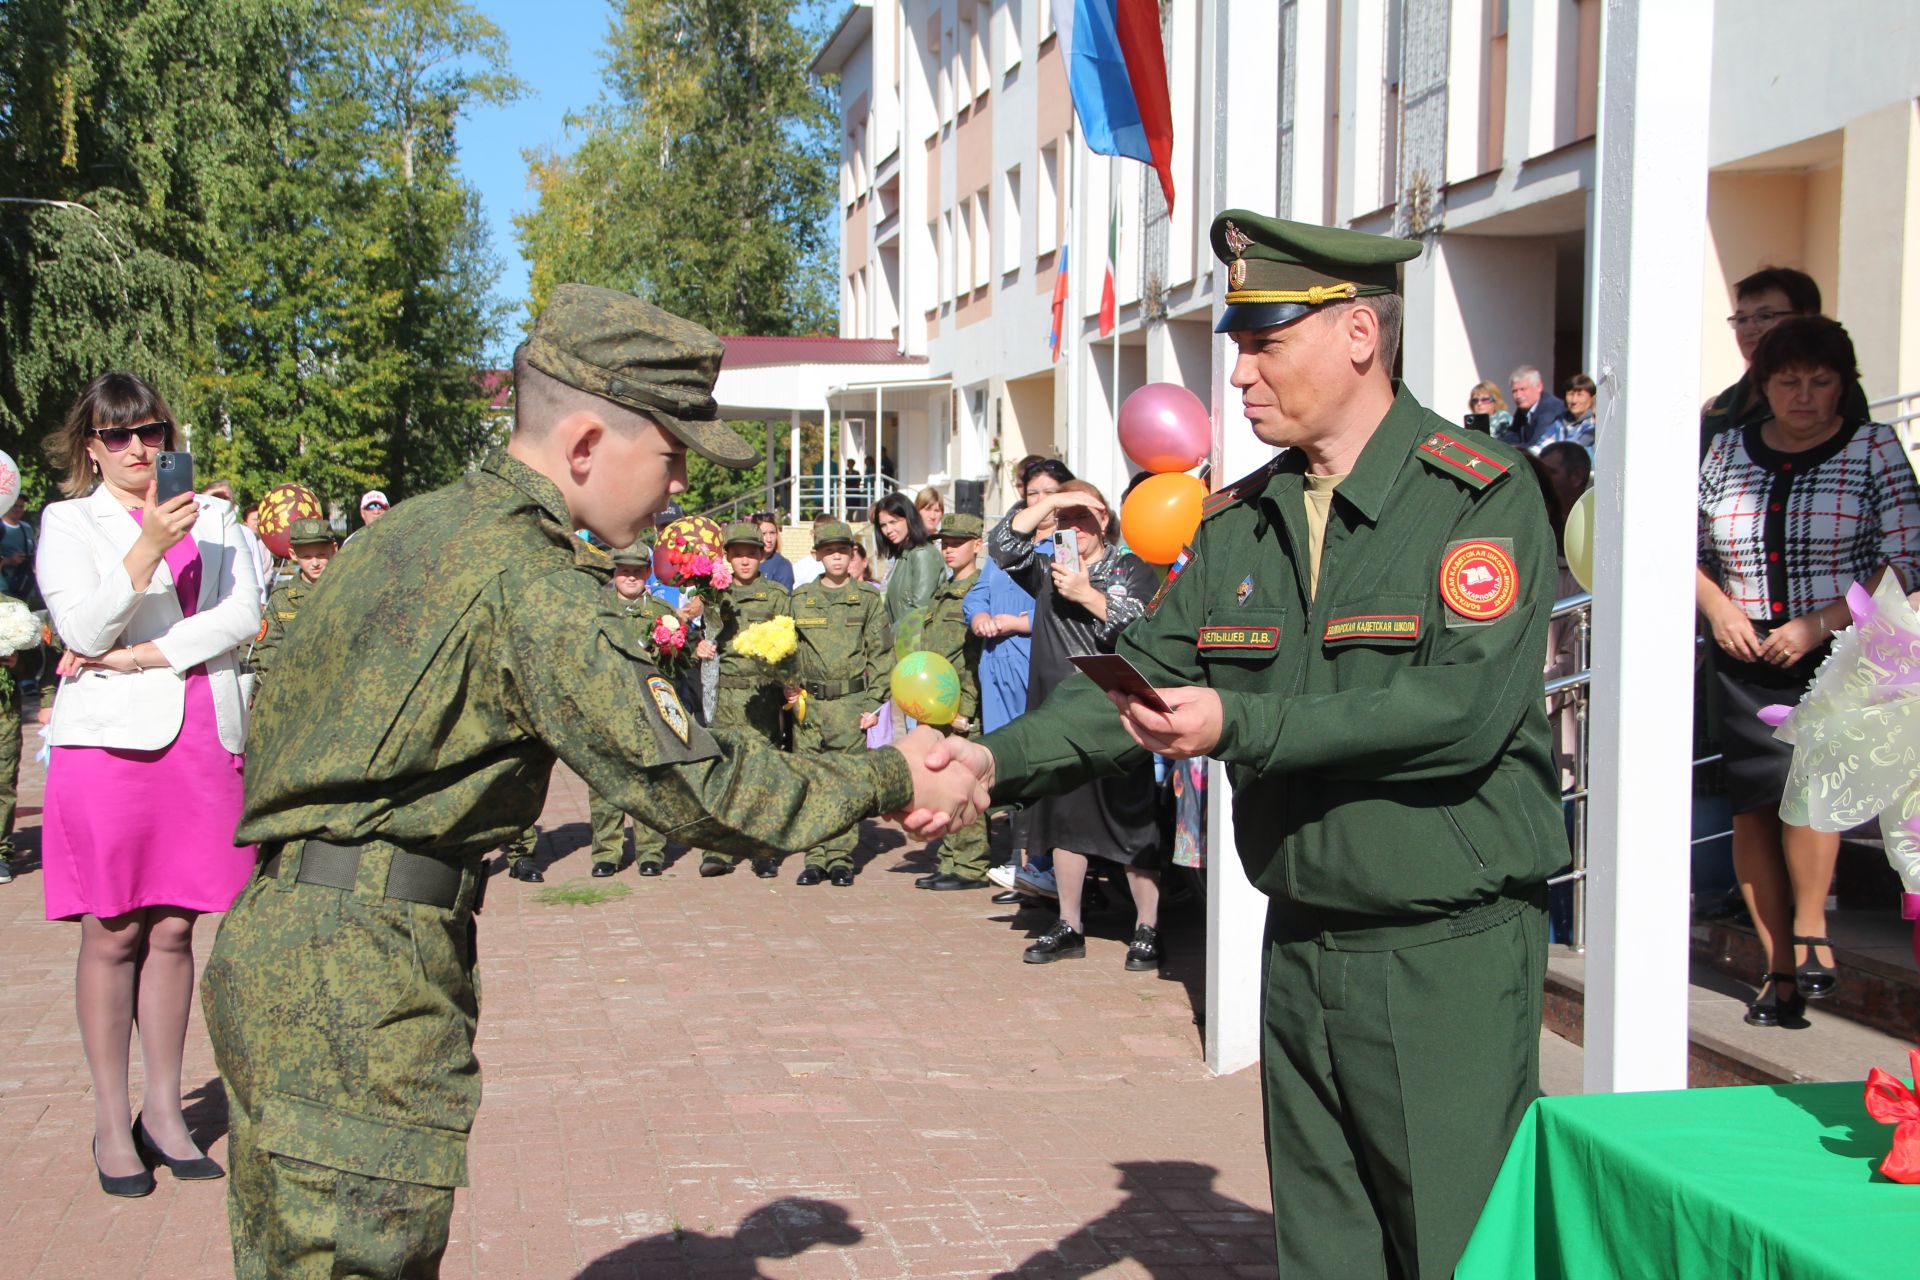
<point>845,657</point>
<point>412,725</point>
<point>311,540</point>
<point>749,696</point>
<point>963,854</point>
<point>641,610</point>
<point>1358,638</point>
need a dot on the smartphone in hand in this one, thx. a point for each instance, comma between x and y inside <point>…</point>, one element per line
<point>1116,675</point>
<point>1066,550</point>
<point>172,476</point>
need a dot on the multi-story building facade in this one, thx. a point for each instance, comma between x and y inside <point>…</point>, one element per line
<point>1466,123</point>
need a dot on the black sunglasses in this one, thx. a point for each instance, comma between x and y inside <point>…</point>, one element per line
<point>152,435</point>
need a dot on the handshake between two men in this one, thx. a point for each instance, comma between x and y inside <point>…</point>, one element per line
<point>953,777</point>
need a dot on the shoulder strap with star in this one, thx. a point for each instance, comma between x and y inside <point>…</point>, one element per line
<point>1454,457</point>
<point>1245,487</point>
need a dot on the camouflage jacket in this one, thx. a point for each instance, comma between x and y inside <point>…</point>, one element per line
<point>281,609</point>
<point>845,641</point>
<point>948,635</point>
<point>740,606</point>
<point>453,681</point>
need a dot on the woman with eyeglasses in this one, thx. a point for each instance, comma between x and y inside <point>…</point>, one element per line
<point>143,791</point>
<point>1486,398</point>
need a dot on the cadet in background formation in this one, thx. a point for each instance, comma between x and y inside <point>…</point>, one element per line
<point>311,540</point>
<point>411,726</point>
<point>639,610</point>
<point>749,696</point>
<point>963,854</point>
<point>1357,636</point>
<point>845,658</point>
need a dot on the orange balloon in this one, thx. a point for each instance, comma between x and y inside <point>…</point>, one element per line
<point>1160,516</point>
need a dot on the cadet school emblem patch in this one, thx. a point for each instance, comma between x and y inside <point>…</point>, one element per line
<point>667,703</point>
<point>1478,581</point>
<point>1245,591</point>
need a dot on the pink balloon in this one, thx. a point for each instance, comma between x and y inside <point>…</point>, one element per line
<point>1164,427</point>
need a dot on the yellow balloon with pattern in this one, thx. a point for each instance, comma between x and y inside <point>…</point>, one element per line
<point>926,687</point>
<point>1579,540</point>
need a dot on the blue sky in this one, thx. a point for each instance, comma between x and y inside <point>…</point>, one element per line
<point>554,47</point>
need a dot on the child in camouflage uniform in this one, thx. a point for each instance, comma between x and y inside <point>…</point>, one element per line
<point>311,540</point>
<point>749,695</point>
<point>844,660</point>
<point>963,855</point>
<point>630,568</point>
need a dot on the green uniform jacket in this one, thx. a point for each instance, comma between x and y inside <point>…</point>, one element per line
<point>948,635</point>
<point>846,646</point>
<point>740,607</point>
<point>1389,763</point>
<point>473,671</point>
<point>281,609</point>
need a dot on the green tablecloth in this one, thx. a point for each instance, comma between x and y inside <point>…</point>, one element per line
<point>1772,1180</point>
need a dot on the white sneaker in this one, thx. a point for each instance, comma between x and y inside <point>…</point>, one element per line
<point>1002,875</point>
<point>1041,882</point>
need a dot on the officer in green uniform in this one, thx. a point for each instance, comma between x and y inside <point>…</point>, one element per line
<point>340,995</point>
<point>963,854</point>
<point>844,660</point>
<point>1358,636</point>
<point>311,540</point>
<point>609,822</point>
<point>749,695</point>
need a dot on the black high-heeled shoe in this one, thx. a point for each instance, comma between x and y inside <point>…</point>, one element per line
<point>1814,980</point>
<point>196,1169</point>
<point>128,1187</point>
<point>1770,1008</point>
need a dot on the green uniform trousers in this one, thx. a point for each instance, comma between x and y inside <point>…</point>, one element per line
<point>343,1023</point>
<point>964,853</point>
<point>610,830</point>
<point>751,707</point>
<point>1394,1082</point>
<point>833,725</point>
<point>522,846</point>
<point>9,772</point>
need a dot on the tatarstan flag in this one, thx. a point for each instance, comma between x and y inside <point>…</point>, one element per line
<point>1109,300</point>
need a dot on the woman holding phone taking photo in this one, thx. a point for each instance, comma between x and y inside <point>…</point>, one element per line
<point>143,792</point>
<point>1083,598</point>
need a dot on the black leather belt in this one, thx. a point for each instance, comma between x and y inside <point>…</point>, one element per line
<point>411,877</point>
<point>833,688</point>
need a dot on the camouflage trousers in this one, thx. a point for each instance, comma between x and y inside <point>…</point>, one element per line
<point>610,831</point>
<point>746,709</point>
<point>9,773</point>
<point>833,725</point>
<point>343,1022</point>
<point>964,853</point>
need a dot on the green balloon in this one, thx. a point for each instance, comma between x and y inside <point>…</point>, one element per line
<point>926,687</point>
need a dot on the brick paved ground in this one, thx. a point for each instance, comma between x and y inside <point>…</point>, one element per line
<point>733,1078</point>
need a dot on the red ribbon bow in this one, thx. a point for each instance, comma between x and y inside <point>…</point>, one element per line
<point>1891,1102</point>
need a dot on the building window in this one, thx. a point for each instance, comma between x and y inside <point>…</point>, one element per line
<point>982,271</point>
<point>1046,200</point>
<point>1009,36</point>
<point>962,248</point>
<point>963,60</point>
<point>1010,221</point>
<point>980,73</point>
<point>945,257</point>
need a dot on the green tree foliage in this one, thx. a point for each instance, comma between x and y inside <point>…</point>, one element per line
<point>281,241</point>
<point>703,180</point>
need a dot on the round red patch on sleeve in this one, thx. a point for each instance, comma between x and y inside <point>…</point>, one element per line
<point>1479,581</point>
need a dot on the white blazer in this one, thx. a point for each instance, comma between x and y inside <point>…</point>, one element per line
<point>83,578</point>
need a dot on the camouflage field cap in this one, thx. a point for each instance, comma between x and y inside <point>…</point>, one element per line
<point>309,529</point>
<point>613,345</point>
<point>1277,270</point>
<point>741,531</point>
<point>960,526</point>
<point>828,532</point>
<point>633,553</point>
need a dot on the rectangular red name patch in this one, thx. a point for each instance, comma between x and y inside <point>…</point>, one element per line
<point>1239,638</point>
<point>1377,626</point>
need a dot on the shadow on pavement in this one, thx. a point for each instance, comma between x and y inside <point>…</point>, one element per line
<point>782,1229</point>
<point>206,1112</point>
<point>1172,1223</point>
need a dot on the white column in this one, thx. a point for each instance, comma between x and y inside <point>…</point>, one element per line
<point>1246,97</point>
<point>793,468</point>
<point>1652,178</point>
<point>772,502</point>
<point>1878,298</point>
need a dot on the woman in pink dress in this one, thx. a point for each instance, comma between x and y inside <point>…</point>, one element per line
<point>154,602</point>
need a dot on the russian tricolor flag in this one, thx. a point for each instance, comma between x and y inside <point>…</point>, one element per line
<point>1118,74</point>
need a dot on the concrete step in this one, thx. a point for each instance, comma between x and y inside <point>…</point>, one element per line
<point>1723,1049</point>
<point>1873,955</point>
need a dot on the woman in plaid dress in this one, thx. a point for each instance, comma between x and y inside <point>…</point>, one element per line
<point>1793,510</point>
